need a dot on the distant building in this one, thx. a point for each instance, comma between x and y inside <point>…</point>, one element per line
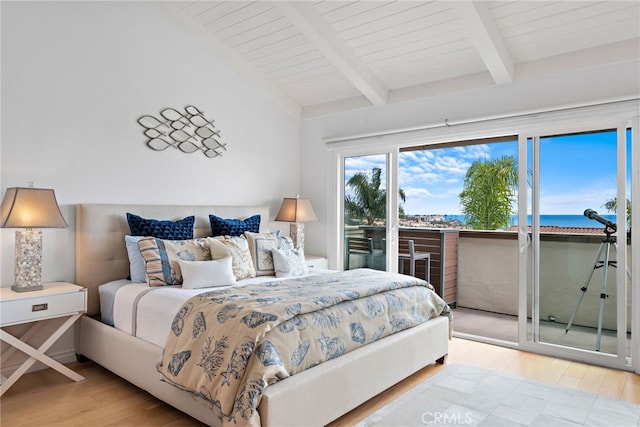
<point>443,221</point>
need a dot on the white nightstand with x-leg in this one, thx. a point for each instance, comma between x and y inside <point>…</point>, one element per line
<point>59,299</point>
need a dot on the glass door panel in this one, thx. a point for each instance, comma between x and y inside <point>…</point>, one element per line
<point>460,206</point>
<point>365,212</point>
<point>624,243</point>
<point>574,227</point>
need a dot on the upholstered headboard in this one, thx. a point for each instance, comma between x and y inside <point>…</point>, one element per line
<point>101,255</point>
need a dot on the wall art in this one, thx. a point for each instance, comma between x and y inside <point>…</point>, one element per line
<point>188,131</point>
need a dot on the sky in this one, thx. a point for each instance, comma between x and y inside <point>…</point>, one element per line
<point>577,172</point>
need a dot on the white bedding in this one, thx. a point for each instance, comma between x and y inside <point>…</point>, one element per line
<point>147,312</point>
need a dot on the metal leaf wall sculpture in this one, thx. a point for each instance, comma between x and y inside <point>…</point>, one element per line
<point>188,132</point>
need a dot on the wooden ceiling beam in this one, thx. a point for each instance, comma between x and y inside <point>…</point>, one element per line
<point>482,29</point>
<point>327,40</point>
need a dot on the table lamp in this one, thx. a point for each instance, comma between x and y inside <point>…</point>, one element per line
<point>296,211</point>
<point>27,208</point>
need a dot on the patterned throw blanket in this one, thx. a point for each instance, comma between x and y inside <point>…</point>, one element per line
<point>226,346</point>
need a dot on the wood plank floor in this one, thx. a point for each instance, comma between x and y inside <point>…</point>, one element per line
<point>46,398</point>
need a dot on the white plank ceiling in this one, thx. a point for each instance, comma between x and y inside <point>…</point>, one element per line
<point>321,57</point>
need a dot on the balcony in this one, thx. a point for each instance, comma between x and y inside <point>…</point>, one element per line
<point>488,287</point>
<point>484,277</point>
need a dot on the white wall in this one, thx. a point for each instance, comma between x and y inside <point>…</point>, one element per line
<point>77,75</point>
<point>614,81</point>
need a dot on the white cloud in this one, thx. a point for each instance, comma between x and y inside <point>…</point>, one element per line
<point>474,152</point>
<point>577,202</point>
<point>353,165</point>
<point>417,193</point>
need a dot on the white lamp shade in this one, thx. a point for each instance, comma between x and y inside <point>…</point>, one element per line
<point>294,209</point>
<point>27,207</point>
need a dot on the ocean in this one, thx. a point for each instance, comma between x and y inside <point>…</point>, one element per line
<point>558,220</point>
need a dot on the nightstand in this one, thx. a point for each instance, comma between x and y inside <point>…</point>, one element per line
<point>315,261</point>
<point>58,299</point>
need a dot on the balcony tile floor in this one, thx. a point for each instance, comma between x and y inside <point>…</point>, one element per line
<point>505,327</point>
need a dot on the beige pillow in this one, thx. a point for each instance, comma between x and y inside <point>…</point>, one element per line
<point>238,249</point>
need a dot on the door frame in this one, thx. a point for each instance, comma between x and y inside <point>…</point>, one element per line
<point>391,182</point>
<point>529,246</point>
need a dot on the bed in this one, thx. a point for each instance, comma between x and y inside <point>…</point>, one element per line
<point>306,398</point>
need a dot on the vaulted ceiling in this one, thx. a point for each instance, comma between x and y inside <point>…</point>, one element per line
<point>321,57</point>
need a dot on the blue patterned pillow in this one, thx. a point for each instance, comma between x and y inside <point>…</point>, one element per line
<point>260,246</point>
<point>162,229</point>
<point>234,227</point>
<point>161,258</point>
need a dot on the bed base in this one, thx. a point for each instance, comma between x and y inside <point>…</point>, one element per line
<point>311,398</point>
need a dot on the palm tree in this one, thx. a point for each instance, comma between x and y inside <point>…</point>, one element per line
<point>367,200</point>
<point>489,193</point>
<point>612,205</point>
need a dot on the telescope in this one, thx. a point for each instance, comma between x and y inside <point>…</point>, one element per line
<point>591,214</point>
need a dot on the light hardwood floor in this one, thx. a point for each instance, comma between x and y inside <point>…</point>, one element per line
<point>46,398</point>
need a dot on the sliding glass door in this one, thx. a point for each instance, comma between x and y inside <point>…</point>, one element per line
<point>558,267</point>
<point>575,242</point>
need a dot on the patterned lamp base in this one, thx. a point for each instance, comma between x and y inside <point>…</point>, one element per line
<point>28,268</point>
<point>296,232</point>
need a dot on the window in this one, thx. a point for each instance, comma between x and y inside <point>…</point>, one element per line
<point>456,185</point>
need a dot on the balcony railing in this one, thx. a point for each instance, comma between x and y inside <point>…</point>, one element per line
<point>479,270</point>
<point>488,276</point>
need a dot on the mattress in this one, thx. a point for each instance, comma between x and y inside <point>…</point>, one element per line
<point>107,294</point>
<point>147,312</point>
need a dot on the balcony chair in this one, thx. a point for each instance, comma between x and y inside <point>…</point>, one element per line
<point>407,251</point>
<point>362,246</point>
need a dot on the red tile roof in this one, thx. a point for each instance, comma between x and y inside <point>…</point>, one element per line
<point>565,230</point>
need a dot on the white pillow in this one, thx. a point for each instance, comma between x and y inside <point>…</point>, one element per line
<point>205,274</point>
<point>137,267</point>
<point>289,262</point>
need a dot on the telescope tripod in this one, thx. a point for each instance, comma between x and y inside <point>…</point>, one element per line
<point>604,263</point>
